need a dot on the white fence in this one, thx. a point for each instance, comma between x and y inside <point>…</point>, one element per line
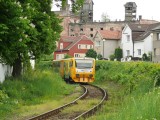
<point>5,70</point>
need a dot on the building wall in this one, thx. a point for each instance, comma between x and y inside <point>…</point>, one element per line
<point>75,29</point>
<point>75,49</point>
<point>148,44</point>
<point>109,47</point>
<point>5,70</point>
<point>124,44</point>
<point>138,45</point>
<point>98,43</point>
<point>59,55</point>
<point>156,45</point>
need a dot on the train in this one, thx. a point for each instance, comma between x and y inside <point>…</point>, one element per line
<point>81,70</point>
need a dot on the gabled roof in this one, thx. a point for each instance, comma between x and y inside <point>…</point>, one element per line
<point>138,27</point>
<point>110,34</point>
<point>72,40</point>
<point>140,34</point>
<point>156,28</point>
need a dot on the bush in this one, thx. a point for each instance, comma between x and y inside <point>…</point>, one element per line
<point>132,74</point>
<point>33,88</point>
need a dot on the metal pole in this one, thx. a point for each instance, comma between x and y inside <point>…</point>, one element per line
<point>103,49</point>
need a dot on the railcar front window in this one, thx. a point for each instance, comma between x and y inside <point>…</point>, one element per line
<point>84,63</point>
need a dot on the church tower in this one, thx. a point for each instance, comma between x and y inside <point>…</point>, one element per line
<point>130,11</point>
<point>86,14</point>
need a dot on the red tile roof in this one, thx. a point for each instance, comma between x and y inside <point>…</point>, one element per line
<point>72,40</point>
<point>110,34</point>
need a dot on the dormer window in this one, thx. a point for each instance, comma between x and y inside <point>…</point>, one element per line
<point>61,46</point>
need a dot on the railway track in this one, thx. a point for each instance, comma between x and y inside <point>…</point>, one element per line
<point>86,105</point>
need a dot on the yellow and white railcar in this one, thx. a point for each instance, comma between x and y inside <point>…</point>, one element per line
<point>76,69</point>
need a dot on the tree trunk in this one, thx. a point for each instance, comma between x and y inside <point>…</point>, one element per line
<point>17,67</point>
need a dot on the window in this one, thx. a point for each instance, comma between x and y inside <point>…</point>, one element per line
<point>91,35</point>
<point>79,46</point>
<point>128,52</point>
<point>81,29</point>
<point>59,56</point>
<point>72,30</point>
<point>139,51</point>
<point>84,46</point>
<point>98,43</point>
<point>91,46</point>
<point>158,36</point>
<point>61,46</point>
<point>91,29</point>
<point>128,38</point>
<point>154,51</point>
<point>111,28</point>
<point>76,55</point>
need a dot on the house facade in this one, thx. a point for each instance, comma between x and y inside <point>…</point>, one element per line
<point>137,39</point>
<point>73,46</point>
<point>156,44</point>
<point>106,41</point>
<point>126,43</point>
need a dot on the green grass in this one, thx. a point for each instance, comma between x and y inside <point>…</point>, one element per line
<point>133,87</point>
<point>31,89</point>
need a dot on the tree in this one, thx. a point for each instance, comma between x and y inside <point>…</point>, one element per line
<point>67,56</point>
<point>105,17</point>
<point>145,57</point>
<point>112,57</point>
<point>76,4</point>
<point>118,53</point>
<point>28,28</point>
<point>99,56</point>
<point>91,53</point>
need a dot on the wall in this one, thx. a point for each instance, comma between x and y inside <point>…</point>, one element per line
<point>109,47</point>
<point>5,70</point>
<point>124,44</point>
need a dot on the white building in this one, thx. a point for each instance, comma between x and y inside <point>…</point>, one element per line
<point>137,40</point>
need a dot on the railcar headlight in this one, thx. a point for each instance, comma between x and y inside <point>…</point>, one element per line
<point>77,75</point>
<point>90,75</point>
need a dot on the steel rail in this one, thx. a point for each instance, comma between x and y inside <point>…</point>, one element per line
<point>96,107</point>
<point>57,110</point>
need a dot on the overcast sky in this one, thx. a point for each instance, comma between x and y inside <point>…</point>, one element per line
<point>149,9</point>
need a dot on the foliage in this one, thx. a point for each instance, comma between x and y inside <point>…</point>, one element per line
<point>99,56</point>
<point>26,27</point>
<point>112,57</point>
<point>140,83</point>
<point>32,89</point>
<point>132,74</point>
<point>147,58</point>
<point>118,54</point>
<point>67,56</point>
<point>76,4</point>
<point>91,53</point>
<point>105,17</point>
